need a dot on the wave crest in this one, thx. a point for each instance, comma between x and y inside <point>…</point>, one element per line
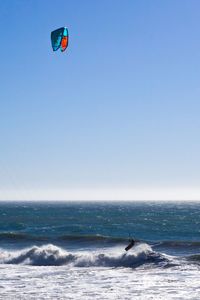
<point>51,255</point>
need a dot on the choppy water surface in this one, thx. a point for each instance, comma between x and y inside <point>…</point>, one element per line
<point>71,250</point>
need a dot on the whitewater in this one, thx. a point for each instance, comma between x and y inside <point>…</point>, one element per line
<point>73,250</point>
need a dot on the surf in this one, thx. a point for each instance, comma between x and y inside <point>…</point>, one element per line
<point>52,255</point>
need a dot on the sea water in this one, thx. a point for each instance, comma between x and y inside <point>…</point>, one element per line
<point>75,250</point>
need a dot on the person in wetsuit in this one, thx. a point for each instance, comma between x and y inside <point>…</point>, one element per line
<point>130,245</point>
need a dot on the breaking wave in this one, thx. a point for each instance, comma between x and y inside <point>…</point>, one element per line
<point>51,255</point>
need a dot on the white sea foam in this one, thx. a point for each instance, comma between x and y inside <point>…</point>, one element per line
<point>22,282</point>
<point>51,272</point>
<point>51,255</point>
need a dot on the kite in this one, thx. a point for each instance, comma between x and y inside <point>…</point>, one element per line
<point>60,39</point>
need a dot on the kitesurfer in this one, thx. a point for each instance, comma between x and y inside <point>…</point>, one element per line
<point>130,245</point>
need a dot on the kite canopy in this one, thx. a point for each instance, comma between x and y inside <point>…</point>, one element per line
<point>59,39</point>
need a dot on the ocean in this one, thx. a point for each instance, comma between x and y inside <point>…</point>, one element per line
<point>76,250</point>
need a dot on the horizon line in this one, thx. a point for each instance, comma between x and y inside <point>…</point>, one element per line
<point>102,194</point>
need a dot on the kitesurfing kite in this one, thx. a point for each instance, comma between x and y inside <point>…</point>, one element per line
<point>60,39</point>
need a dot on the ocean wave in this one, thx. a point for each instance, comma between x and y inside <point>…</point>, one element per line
<point>96,239</point>
<point>194,257</point>
<point>17,236</point>
<point>93,238</point>
<point>178,244</point>
<point>51,255</point>
<point>13,236</point>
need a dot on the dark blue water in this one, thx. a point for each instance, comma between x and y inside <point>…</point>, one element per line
<point>146,221</point>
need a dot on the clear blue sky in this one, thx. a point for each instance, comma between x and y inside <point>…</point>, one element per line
<point>119,109</point>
